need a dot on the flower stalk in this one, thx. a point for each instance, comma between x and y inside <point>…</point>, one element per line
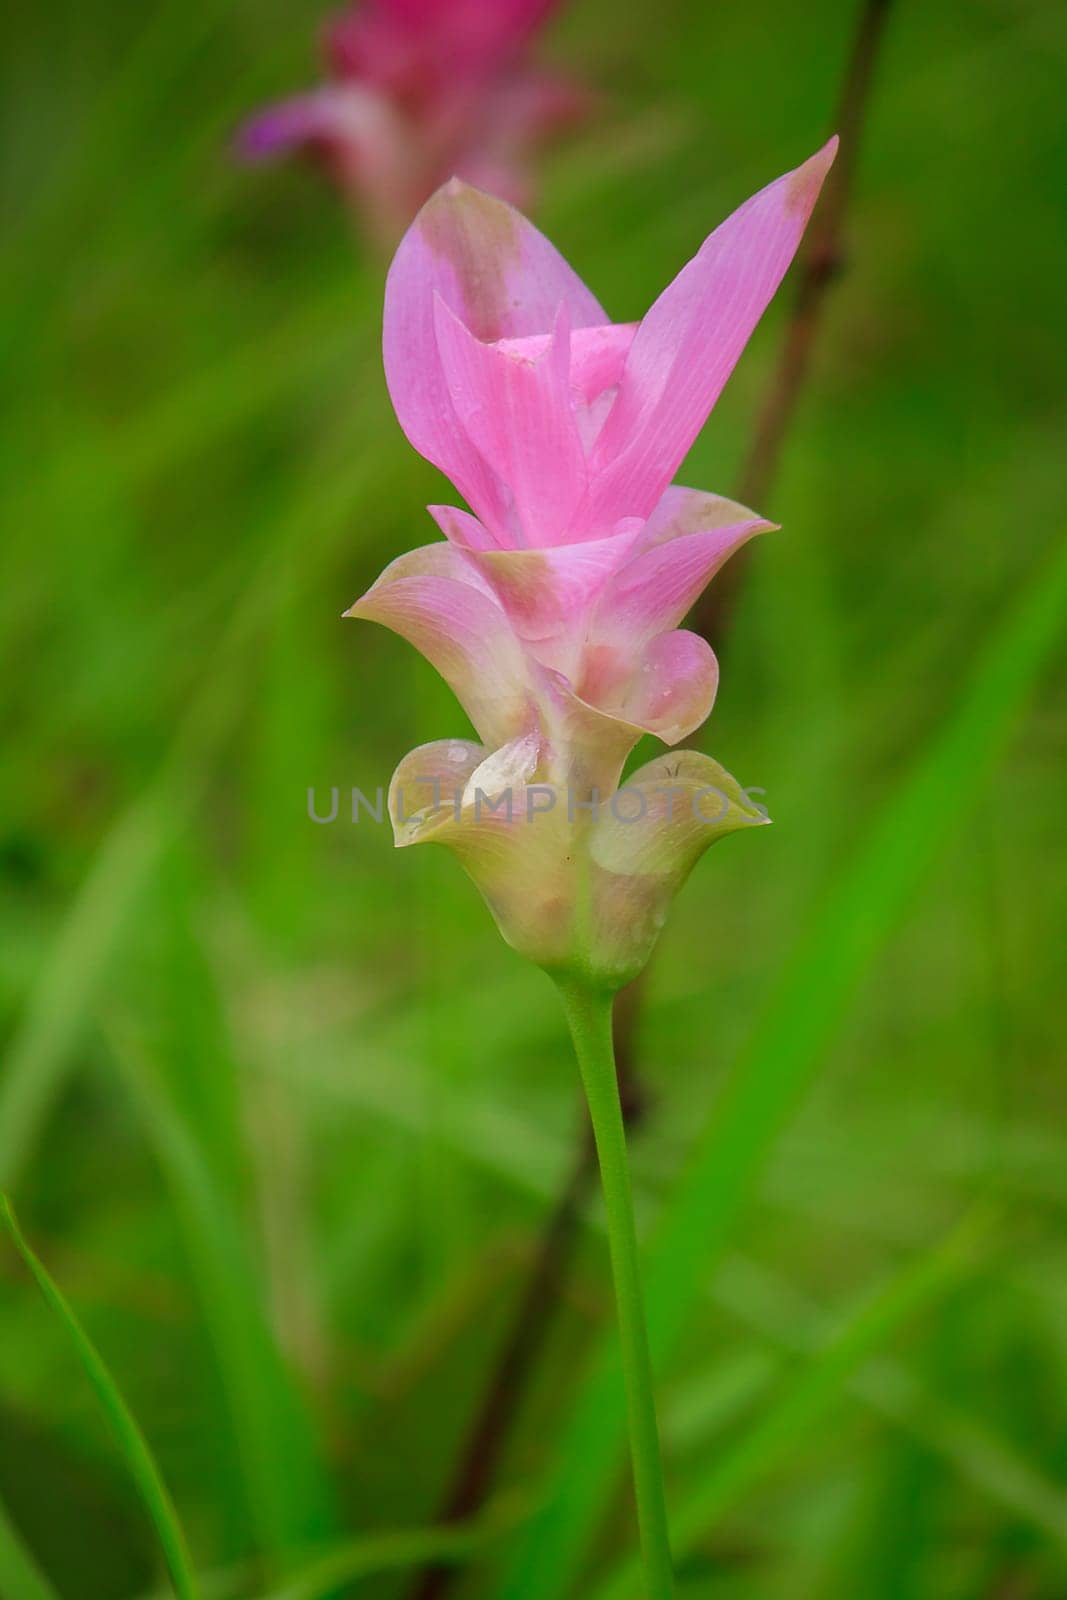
<point>552,609</point>
<point>589,1012</point>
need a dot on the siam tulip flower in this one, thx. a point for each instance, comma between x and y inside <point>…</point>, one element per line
<point>552,606</point>
<point>418,90</point>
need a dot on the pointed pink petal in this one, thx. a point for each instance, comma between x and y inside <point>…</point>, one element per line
<point>652,592</point>
<point>347,121</point>
<point>490,266</point>
<point>284,126</point>
<point>688,343</point>
<point>433,598</point>
<point>500,277</point>
<point>679,511</point>
<point>516,412</point>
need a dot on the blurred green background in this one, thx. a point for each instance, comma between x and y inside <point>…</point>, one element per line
<point>279,1109</point>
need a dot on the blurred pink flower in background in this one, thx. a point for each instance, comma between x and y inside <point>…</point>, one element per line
<point>417,91</point>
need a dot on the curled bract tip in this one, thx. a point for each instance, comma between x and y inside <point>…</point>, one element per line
<point>578,881</point>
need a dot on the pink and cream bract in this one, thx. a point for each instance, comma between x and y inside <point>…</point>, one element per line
<point>552,606</point>
<point>417,90</point>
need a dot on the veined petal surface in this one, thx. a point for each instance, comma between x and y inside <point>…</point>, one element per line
<point>515,410</point>
<point>675,559</point>
<point>689,341</point>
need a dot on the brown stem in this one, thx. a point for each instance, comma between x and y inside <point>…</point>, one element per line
<point>820,265</point>
<point>491,1426</point>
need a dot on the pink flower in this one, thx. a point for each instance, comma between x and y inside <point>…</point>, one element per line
<point>552,607</point>
<point>418,90</point>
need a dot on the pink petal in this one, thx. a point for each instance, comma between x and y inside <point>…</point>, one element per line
<point>653,592</point>
<point>598,356</point>
<point>503,279</point>
<point>321,117</point>
<point>278,130</point>
<point>503,173</point>
<point>690,340</point>
<point>591,743</point>
<point>481,39</point>
<point>516,412</point>
<point>673,687</point>
<point>668,690</point>
<point>679,511</point>
<point>433,598</point>
<point>532,104</point>
<point>421,45</point>
<point>346,121</point>
<point>547,592</point>
<point>492,267</point>
<point>461,529</point>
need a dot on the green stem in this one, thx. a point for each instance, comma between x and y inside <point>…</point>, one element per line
<point>589,1018</point>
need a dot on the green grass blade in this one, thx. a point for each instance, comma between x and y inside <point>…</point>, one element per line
<point>285,1491</point>
<point>505,1146</point>
<point>40,1052</point>
<point>20,1576</point>
<point>778,1311</point>
<point>70,977</point>
<point>332,1570</point>
<point>131,1441</point>
<point>786,1421</point>
<point>985,1460</point>
<point>808,1007</point>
